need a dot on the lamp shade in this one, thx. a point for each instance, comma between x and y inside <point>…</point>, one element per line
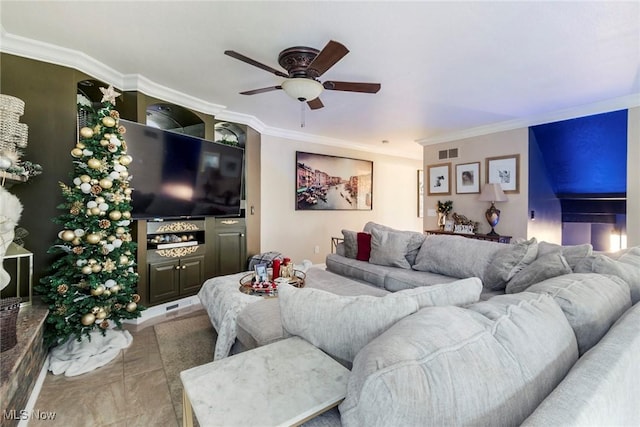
<point>492,193</point>
<point>302,89</point>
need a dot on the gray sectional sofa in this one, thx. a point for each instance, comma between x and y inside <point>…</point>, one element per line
<point>444,330</point>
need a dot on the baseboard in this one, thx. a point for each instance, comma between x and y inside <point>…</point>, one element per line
<point>33,397</point>
<point>162,309</point>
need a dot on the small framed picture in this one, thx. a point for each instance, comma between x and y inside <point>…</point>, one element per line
<point>261,273</point>
<point>439,179</point>
<point>504,170</point>
<point>468,178</point>
<point>420,193</point>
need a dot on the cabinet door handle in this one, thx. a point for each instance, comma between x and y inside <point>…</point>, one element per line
<point>184,266</point>
<point>177,267</point>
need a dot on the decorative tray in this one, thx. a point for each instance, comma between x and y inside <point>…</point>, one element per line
<point>248,286</point>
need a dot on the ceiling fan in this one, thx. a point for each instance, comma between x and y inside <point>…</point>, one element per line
<point>304,65</point>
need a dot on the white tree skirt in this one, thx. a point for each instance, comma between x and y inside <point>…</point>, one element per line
<point>75,357</point>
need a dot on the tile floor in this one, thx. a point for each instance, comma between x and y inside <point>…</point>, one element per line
<point>130,391</point>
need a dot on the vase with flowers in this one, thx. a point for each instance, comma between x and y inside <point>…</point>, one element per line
<point>444,208</point>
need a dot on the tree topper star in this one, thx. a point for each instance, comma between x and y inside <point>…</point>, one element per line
<point>109,95</point>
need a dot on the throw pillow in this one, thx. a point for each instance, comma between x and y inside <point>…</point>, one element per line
<point>340,325</point>
<point>508,261</point>
<point>572,253</point>
<point>364,246</point>
<point>604,265</point>
<point>389,248</point>
<point>544,267</point>
<point>414,243</point>
<point>350,243</point>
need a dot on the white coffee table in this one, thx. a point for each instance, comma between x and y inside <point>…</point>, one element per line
<point>284,383</point>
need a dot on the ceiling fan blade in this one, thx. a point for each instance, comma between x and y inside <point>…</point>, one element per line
<point>314,104</point>
<point>250,61</point>
<point>352,87</point>
<point>262,90</point>
<point>327,58</point>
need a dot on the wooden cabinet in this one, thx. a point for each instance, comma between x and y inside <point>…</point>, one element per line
<point>230,246</point>
<point>490,237</point>
<point>176,257</point>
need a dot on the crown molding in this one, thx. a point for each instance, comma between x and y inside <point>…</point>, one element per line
<point>46,52</point>
<point>614,104</point>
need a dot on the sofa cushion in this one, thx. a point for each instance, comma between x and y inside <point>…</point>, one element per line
<point>340,325</point>
<point>544,267</point>
<point>399,278</point>
<point>572,253</point>
<point>350,243</point>
<point>455,256</point>
<point>389,248</point>
<point>591,302</point>
<point>602,388</point>
<point>414,242</point>
<point>460,292</point>
<point>605,265</point>
<point>491,364</point>
<point>364,246</point>
<point>508,261</point>
<point>359,270</point>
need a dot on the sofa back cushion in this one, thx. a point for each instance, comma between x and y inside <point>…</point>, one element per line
<point>603,264</point>
<point>544,267</point>
<point>591,302</point>
<point>413,246</point>
<point>456,256</point>
<point>491,364</point>
<point>350,243</point>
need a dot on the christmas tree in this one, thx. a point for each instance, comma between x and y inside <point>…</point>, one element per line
<point>93,282</point>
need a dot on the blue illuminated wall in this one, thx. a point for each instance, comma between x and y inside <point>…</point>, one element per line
<point>587,155</point>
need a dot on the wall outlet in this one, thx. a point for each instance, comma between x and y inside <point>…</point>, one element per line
<point>316,249</point>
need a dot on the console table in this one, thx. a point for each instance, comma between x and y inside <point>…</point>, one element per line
<point>492,238</point>
<point>284,383</point>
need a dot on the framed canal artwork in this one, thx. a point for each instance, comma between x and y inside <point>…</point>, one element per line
<point>333,183</point>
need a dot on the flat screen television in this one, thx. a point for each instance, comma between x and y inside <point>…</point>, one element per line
<point>180,176</point>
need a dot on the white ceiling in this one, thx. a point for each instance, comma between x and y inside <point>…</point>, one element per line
<point>446,68</point>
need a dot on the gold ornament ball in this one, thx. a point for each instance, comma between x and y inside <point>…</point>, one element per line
<point>126,214</point>
<point>86,132</point>
<point>124,260</point>
<point>95,211</point>
<point>124,174</point>
<point>115,215</point>
<point>111,238</point>
<point>131,307</point>
<point>101,314</point>
<point>126,160</point>
<point>93,238</point>
<point>106,183</point>
<point>81,146</point>
<point>96,268</point>
<point>115,289</point>
<point>76,152</point>
<point>120,230</point>
<point>95,310</point>
<point>108,121</point>
<point>76,241</point>
<point>88,319</point>
<point>86,269</point>
<point>104,142</point>
<point>106,293</point>
<point>85,178</point>
<point>98,290</point>
<point>68,235</point>
<point>94,163</point>
<point>127,191</point>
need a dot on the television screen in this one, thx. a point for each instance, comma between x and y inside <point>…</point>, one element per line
<point>176,175</point>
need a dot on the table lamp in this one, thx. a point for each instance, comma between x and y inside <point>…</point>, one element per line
<point>492,193</point>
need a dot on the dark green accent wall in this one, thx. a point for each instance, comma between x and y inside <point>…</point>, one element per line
<point>49,93</point>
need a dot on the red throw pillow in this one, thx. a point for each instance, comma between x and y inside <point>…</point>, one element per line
<point>364,246</point>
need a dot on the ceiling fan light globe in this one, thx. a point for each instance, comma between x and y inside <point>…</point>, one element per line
<point>302,89</point>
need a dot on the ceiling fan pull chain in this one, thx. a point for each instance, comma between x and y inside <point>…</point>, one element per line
<point>302,105</point>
